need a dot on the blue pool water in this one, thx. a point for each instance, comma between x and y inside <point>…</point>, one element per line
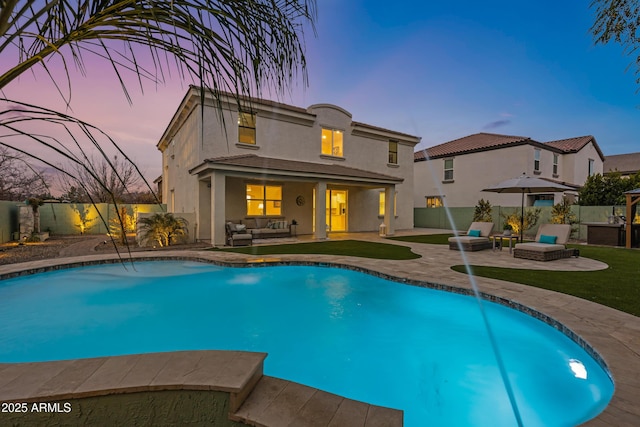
<point>420,350</point>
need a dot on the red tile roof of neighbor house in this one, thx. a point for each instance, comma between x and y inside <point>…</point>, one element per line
<point>573,145</point>
<point>627,164</point>
<point>469,144</point>
<point>274,165</point>
<point>491,141</point>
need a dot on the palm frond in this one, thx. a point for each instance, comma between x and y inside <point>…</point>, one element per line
<point>231,45</point>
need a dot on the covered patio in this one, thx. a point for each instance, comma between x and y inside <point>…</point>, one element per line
<point>321,198</point>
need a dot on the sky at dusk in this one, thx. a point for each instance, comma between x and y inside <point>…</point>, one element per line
<point>439,70</point>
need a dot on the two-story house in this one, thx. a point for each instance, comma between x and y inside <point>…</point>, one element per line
<point>255,158</point>
<point>459,170</point>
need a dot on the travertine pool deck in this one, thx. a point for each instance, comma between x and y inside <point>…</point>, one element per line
<point>613,334</point>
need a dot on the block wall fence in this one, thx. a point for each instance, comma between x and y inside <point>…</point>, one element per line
<point>73,219</point>
<point>69,218</point>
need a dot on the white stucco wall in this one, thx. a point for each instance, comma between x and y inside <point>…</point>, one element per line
<point>286,133</point>
<point>476,171</point>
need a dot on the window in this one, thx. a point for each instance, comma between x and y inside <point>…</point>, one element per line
<point>434,201</point>
<point>448,169</point>
<point>264,199</point>
<point>393,152</point>
<point>382,204</point>
<point>536,160</point>
<point>555,165</point>
<point>591,167</point>
<point>332,142</point>
<point>246,128</point>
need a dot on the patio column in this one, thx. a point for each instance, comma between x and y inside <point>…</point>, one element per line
<point>321,210</point>
<point>218,209</point>
<point>389,204</point>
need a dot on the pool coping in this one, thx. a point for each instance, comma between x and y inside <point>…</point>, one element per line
<point>607,334</point>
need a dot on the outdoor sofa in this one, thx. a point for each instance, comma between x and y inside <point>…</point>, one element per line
<point>264,228</point>
<point>476,239</point>
<point>549,245</point>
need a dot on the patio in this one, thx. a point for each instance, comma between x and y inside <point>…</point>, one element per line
<point>612,333</point>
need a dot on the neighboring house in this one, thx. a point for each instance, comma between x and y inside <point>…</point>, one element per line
<point>458,170</point>
<point>265,159</point>
<point>626,164</point>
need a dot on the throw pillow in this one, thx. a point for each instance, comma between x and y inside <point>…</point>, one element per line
<point>474,233</point>
<point>548,239</point>
<point>241,227</point>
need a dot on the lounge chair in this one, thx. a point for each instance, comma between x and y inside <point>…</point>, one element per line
<point>476,239</point>
<point>237,234</point>
<point>549,245</point>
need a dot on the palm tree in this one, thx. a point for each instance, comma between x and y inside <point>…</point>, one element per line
<point>235,46</point>
<point>163,228</point>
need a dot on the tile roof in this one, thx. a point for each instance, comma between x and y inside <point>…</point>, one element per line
<point>571,144</point>
<point>472,143</point>
<point>625,163</point>
<point>253,161</point>
<point>490,141</point>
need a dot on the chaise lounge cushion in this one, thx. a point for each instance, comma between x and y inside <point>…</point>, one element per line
<point>473,243</point>
<point>541,251</point>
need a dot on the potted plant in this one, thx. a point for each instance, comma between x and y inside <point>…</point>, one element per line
<point>506,229</point>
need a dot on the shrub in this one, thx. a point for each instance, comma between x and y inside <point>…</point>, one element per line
<point>482,211</point>
<point>561,213</point>
<point>531,217</point>
<point>121,224</point>
<point>163,228</point>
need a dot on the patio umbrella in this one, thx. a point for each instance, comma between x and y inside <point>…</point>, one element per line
<point>527,184</point>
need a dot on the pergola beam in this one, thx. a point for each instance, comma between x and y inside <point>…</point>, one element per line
<point>633,197</point>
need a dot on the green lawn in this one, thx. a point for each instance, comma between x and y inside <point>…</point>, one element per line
<point>435,239</point>
<point>617,287</point>
<point>338,247</point>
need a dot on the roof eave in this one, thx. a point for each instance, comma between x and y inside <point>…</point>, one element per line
<point>209,165</point>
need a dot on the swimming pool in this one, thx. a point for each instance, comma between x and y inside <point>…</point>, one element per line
<point>419,350</point>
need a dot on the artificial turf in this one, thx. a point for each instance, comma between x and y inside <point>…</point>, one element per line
<point>339,247</point>
<point>434,239</point>
<point>618,286</point>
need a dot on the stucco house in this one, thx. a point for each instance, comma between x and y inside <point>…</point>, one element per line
<point>458,170</point>
<point>262,159</point>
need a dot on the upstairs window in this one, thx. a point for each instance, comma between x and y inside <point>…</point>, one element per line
<point>591,166</point>
<point>555,164</point>
<point>332,142</point>
<point>246,128</point>
<point>448,169</point>
<point>264,200</point>
<point>536,160</point>
<point>393,152</point>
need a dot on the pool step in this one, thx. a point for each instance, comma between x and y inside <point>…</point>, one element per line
<point>274,402</point>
